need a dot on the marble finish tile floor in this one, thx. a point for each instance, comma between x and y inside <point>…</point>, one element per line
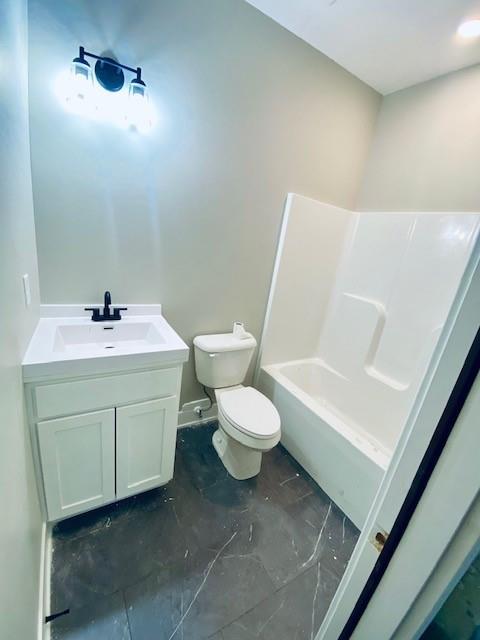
<point>205,557</point>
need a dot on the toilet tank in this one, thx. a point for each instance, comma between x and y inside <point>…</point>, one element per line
<point>222,359</point>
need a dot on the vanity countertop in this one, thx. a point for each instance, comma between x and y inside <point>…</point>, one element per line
<point>66,343</point>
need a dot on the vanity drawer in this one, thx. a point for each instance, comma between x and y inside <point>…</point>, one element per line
<point>68,398</point>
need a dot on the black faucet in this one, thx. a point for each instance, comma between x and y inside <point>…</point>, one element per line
<point>107,301</point>
<point>107,314</point>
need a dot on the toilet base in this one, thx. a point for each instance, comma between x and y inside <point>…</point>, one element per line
<point>240,461</point>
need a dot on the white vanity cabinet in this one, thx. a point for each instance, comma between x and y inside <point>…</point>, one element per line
<point>100,439</point>
<point>78,462</point>
<point>102,402</point>
<point>145,445</point>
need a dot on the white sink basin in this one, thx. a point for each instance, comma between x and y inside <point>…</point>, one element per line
<point>65,344</point>
<point>90,338</point>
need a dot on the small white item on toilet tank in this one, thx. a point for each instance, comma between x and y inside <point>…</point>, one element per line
<point>239,331</point>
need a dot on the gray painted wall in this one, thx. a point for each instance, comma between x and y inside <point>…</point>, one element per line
<point>426,149</point>
<point>20,532</point>
<point>189,215</point>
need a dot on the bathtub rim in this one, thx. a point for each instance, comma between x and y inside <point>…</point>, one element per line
<point>377,453</point>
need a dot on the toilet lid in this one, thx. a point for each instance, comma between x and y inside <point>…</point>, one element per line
<point>250,411</point>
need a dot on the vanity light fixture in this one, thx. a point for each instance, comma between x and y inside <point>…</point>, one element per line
<point>85,86</point>
<point>469,29</point>
<point>109,72</point>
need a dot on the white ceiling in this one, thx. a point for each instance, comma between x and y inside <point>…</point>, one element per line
<point>389,44</point>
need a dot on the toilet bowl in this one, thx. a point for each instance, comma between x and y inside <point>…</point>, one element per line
<point>249,423</point>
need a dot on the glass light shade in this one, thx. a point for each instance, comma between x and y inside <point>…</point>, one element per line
<point>139,113</point>
<point>79,89</point>
<point>82,77</point>
<point>137,89</point>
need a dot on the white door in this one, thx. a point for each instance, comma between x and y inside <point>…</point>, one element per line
<point>146,436</point>
<point>456,339</point>
<point>77,458</point>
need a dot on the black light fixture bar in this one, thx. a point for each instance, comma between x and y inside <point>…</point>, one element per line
<point>86,54</point>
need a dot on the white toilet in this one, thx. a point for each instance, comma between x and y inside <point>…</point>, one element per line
<point>249,424</point>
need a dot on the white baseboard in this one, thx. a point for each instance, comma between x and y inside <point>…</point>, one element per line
<point>187,415</point>
<point>43,631</point>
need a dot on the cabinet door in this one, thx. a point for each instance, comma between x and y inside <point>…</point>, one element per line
<point>77,456</point>
<point>146,436</point>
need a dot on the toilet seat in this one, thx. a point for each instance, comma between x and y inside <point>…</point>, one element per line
<point>249,411</point>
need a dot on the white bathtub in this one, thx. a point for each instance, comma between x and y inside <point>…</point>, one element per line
<point>345,460</point>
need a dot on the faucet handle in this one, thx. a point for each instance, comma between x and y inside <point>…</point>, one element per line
<point>95,313</point>
<point>116,312</point>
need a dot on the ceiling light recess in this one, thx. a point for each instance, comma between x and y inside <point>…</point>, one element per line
<point>469,29</point>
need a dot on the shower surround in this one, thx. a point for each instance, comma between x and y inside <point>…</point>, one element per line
<point>357,304</point>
